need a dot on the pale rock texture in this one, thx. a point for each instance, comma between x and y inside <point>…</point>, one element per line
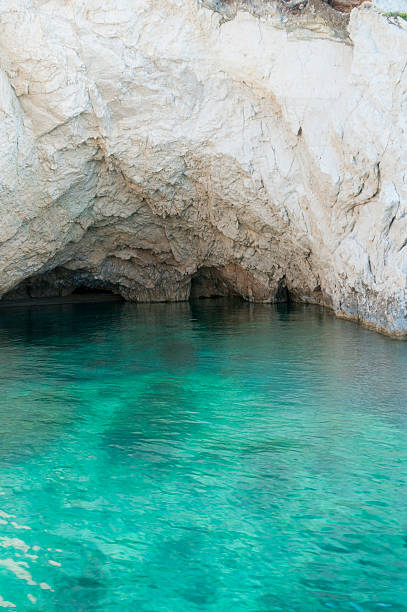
<point>392,5</point>
<point>163,147</point>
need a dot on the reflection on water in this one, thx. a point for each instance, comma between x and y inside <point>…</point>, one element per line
<point>207,456</point>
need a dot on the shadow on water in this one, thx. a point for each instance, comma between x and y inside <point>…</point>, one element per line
<point>85,588</point>
<point>56,322</point>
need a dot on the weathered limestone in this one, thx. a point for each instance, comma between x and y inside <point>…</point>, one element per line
<point>147,145</point>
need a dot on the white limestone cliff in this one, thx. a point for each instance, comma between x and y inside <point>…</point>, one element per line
<point>153,145</point>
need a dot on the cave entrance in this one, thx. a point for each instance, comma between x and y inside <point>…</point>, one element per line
<point>87,293</point>
<point>234,281</point>
<point>60,286</point>
<point>209,283</point>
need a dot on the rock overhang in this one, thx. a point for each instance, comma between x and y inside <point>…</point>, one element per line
<point>152,148</point>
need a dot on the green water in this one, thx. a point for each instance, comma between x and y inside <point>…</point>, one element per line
<point>213,456</point>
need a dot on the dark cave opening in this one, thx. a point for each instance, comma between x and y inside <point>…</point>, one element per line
<point>236,282</point>
<point>60,286</point>
<point>209,283</point>
<point>88,291</point>
<point>283,295</point>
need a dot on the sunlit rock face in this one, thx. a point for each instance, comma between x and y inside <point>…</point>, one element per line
<point>259,150</point>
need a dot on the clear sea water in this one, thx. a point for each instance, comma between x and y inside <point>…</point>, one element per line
<point>212,456</point>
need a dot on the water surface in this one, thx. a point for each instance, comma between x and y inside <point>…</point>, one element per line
<point>213,456</point>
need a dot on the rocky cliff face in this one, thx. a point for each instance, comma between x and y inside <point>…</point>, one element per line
<point>163,147</point>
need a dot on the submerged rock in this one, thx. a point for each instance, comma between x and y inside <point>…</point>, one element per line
<point>253,148</point>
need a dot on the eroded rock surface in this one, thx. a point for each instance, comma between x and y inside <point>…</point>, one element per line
<point>151,145</point>
<point>344,5</point>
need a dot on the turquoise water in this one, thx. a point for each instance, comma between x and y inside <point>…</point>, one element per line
<point>213,456</point>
